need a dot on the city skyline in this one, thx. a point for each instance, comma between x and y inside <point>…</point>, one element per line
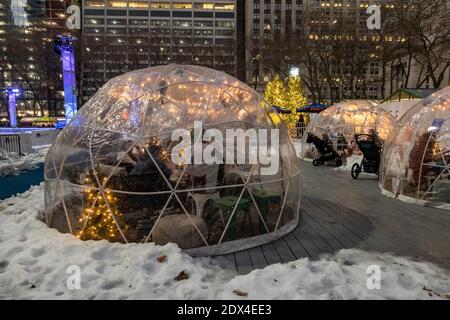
<point>328,41</point>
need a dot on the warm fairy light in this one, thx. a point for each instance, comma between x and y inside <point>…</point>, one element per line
<point>96,221</point>
<point>355,117</point>
<point>435,149</point>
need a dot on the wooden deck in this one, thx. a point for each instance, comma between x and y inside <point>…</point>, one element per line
<point>339,212</point>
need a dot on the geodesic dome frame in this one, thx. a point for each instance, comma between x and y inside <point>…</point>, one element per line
<point>416,161</point>
<point>398,108</point>
<point>109,174</point>
<point>339,123</point>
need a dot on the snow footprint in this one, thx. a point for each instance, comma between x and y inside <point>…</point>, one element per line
<point>37,252</point>
<point>111,284</point>
<point>13,251</point>
<point>3,265</point>
<point>26,261</point>
<point>100,268</point>
<point>105,253</point>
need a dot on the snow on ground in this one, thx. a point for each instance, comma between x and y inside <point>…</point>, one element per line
<point>34,261</point>
<point>350,161</point>
<point>13,164</point>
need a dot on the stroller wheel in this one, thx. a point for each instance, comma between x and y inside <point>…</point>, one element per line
<point>338,162</point>
<point>316,163</point>
<point>355,171</point>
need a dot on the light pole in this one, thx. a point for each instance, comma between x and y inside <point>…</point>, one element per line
<point>12,92</point>
<point>64,48</point>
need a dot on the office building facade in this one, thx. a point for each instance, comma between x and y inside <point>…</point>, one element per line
<point>123,35</point>
<point>27,60</point>
<point>269,19</point>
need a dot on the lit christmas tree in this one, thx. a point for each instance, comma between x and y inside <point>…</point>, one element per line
<point>275,92</point>
<point>97,217</point>
<point>290,98</point>
<point>295,99</point>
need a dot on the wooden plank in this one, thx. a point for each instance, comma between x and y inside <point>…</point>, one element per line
<point>257,258</point>
<point>316,239</point>
<point>325,235</point>
<point>381,242</point>
<point>271,254</point>
<point>350,227</point>
<point>367,202</point>
<point>352,223</point>
<point>295,246</point>
<point>355,225</point>
<point>309,246</point>
<point>283,250</point>
<point>243,262</point>
<point>318,218</point>
<point>339,212</point>
<point>333,225</point>
<point>333,237</point>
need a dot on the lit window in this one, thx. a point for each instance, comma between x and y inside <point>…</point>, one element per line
<point>117,4</point>
<point>225,6</point>
<point>204,5</point>
<point>159,5</point>
<point>138,4</point>
<point>182,6</point>
<point>95,3</point>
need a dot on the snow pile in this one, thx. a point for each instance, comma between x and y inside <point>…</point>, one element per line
<point>13,164</point>
<point>350,161</point>
<point>34,263</point>
<point>344,276</point>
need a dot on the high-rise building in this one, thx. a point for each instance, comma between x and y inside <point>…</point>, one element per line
<point>269,21</point>
<point>27,60</point>
<point>123,35</point>
<point>263,20</point>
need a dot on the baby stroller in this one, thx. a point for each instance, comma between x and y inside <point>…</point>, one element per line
<point>371,155</point>
<point>326,151</point>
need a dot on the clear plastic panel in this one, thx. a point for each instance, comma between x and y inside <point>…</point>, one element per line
<point>111,173</point>
<point>416,158</point>
<point>339,123</point>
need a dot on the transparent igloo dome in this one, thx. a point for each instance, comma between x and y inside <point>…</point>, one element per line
<point>132,165</point>
<point>415,162</point>
<point>338,125</point>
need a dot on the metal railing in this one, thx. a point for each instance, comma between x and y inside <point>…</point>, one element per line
<point>10,143</point>
<point>297,131</point>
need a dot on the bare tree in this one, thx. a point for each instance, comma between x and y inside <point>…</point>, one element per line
<point>425,24</point>
<point>339,59</point>
<point>225,56</point>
